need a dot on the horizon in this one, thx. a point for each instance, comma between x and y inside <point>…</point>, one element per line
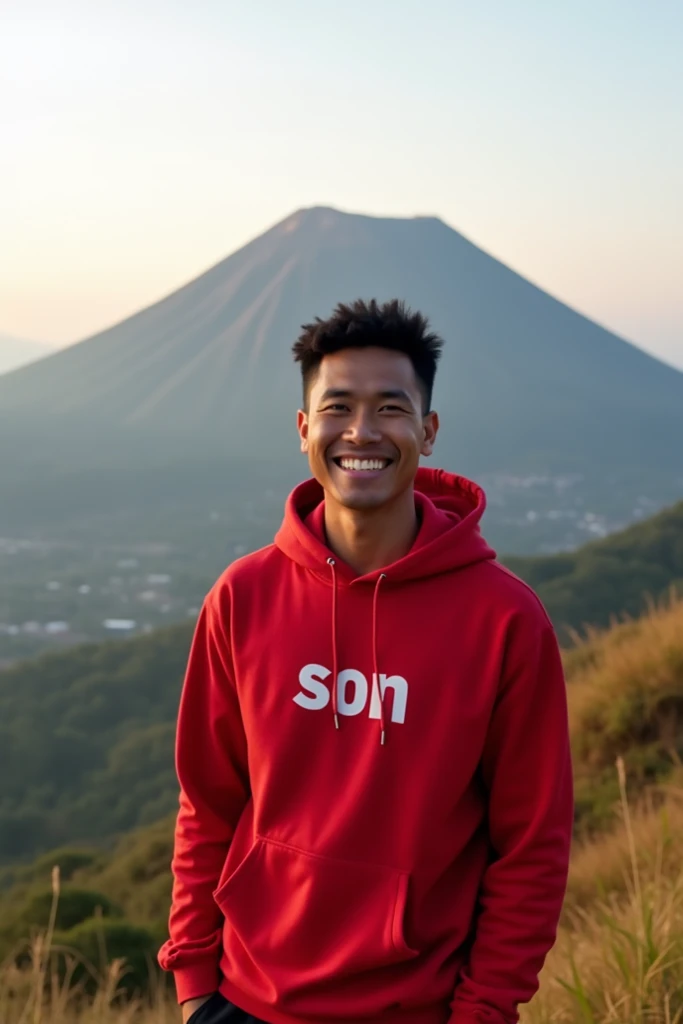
<point>137,164</point>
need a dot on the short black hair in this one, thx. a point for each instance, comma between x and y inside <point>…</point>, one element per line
<point>362,324</point>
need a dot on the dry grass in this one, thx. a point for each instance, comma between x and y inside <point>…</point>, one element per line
<point>626,700</point>
<point>63,1003</point>
<point>626,684</point>
<point>602,866</point>
<point>57,986</point>
<point>619,954</point>
<point>618,958</point>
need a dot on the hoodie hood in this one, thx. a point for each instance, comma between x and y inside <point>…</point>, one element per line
<point>450,508</point>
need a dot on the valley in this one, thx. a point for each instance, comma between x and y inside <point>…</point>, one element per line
<point>127,570</point>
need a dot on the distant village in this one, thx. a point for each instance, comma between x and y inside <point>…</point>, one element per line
<point>123,596</point>
<point>117,599</point>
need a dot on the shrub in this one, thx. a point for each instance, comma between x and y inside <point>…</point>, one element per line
<point>98,943</point>
<point>74,907</point>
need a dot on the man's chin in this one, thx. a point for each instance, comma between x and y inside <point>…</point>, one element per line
<point>361,500</point>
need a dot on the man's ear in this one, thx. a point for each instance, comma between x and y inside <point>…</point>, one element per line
<point>302,427</point>
<point>430,425</point>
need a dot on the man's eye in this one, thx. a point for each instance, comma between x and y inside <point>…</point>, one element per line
<point>336,407</point>
<point>393,408</point>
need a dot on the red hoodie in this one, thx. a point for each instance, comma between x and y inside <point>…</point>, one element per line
<point>371,853</point>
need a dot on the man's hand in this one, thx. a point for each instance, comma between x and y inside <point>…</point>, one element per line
<point>192,1005</point>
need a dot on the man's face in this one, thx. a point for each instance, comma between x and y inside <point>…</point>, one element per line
<point>364,430</point>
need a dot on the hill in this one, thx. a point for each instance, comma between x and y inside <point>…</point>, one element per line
<point>86,735</point>
<point>609,576</point>
<point>86,741</point>
<point>528,390</point>
<point>16,352</point>
<point>626,700</point>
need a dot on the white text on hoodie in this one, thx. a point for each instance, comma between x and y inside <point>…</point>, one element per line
<point>317,695</point>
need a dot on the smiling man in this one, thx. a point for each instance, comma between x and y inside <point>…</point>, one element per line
<point>364,428</point>
<point>376,796</point>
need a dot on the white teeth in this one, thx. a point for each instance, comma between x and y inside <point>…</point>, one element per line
<point>360,464</point>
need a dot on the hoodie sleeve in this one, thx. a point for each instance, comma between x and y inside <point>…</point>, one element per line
<point>211,762</point>
<point>526,768</point>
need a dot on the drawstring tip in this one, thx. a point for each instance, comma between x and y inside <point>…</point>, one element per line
<point>336,720</point>
<point>383,737</point>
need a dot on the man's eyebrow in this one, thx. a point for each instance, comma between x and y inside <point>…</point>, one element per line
<point>335,393</point>
<point>398,393</point>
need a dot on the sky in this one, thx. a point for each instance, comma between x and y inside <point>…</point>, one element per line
<point>142,141</point>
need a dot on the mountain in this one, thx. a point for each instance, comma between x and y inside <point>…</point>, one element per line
<point>184,414</point>
<point>526,385</point>
<point>86,735</point>
<point>16,352</point>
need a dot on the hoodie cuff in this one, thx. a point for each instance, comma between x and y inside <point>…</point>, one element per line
<point>466,1013</point>
<point>195,981</point>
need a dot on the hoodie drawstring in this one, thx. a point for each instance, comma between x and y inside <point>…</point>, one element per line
<point>375,678</point>
<point>375,664</point>
<point>335,700</point>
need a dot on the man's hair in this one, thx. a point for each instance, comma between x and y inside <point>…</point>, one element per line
<point>362,324</point>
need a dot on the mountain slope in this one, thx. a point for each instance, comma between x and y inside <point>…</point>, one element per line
<point>16,352</point>
<point>86,741</point>
<point>610,576</point>
<point>625,692</point>
<point>526,383</point>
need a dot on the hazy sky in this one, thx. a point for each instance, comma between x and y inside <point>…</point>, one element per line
<point>140,142</point>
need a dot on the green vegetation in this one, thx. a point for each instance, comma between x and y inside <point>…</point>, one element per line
<point>86,741</point>
<point>626,705</point>
<point>131,880</point>
<point>112,905</point>
<point>86,735</point>
<point>609,577</point>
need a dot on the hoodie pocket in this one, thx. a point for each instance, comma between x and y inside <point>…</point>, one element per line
<point>305,917</point>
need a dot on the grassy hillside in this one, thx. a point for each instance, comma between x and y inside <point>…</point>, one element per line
<point>610,576</point>
<point>617,959</point>
<point>86,735</point>
<point>618,955</point>
<point>625,689</point>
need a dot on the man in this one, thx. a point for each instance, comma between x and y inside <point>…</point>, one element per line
<point>376,802</point>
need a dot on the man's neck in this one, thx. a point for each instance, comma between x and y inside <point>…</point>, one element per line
<point>371,539</point>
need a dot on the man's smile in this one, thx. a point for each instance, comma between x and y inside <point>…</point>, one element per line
<point>355,464</point>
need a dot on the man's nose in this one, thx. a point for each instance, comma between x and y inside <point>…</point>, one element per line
<point>363,428</point>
